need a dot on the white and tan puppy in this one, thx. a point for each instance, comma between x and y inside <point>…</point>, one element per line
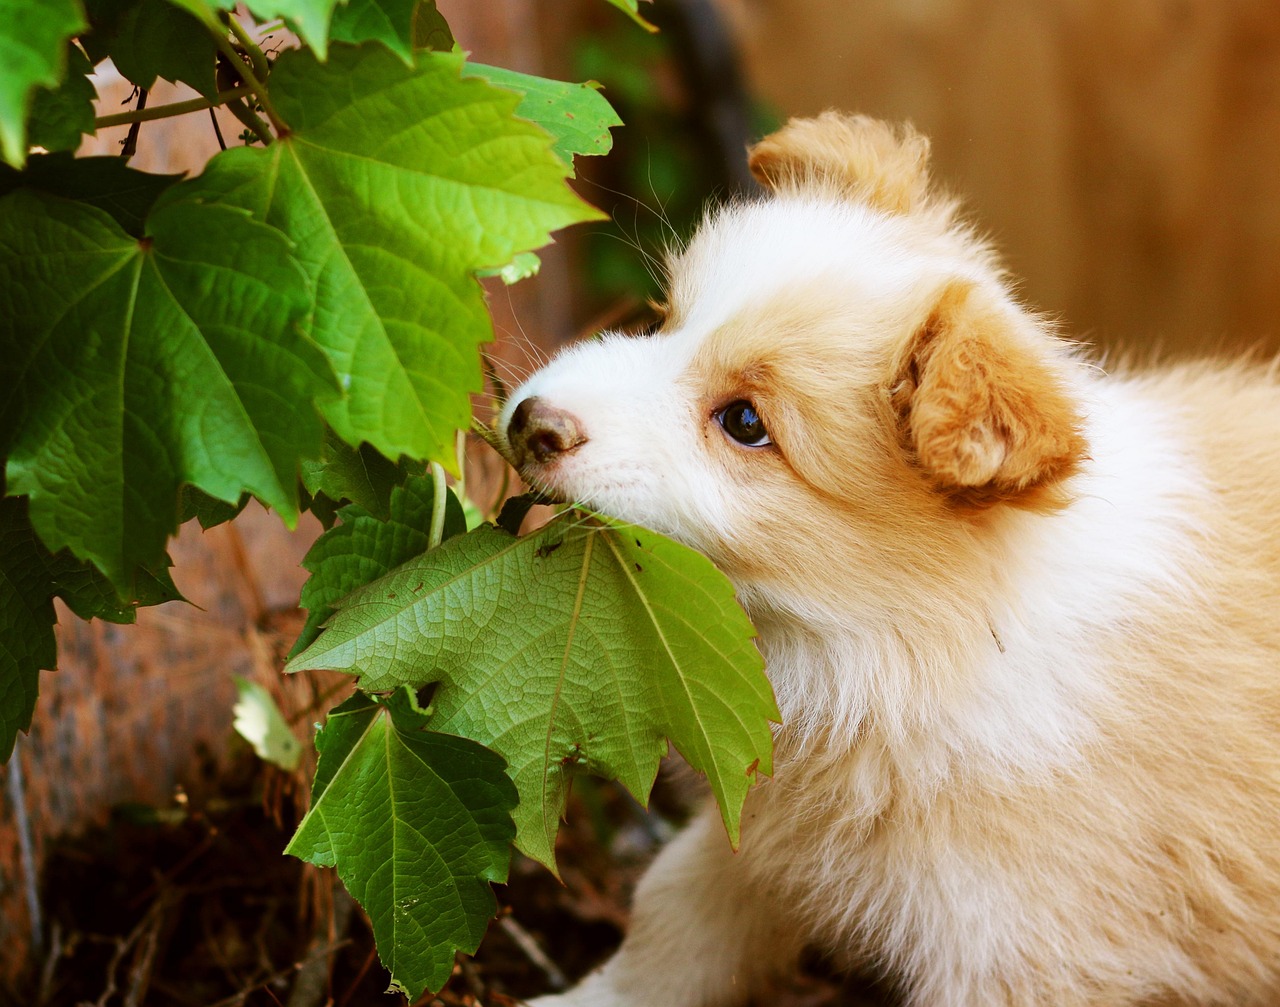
<point>1022,617</point>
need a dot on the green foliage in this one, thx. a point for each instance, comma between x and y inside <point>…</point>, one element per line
<point>33,38</point>
<point>300,323</point>
<point>391,219</point>
<point>609,639</point>
<point>194,370</point>
<point>366,545</point>
<point>417,823</point>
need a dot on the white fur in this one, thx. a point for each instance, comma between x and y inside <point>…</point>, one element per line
<point>896,698</point>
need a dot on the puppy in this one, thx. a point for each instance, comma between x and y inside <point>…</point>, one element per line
<point>1022,617</point>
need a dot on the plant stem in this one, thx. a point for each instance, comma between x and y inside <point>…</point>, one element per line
<point>256,85</point>
<point>173,108</point>
<point>438,503</point>
<point>256,56</point>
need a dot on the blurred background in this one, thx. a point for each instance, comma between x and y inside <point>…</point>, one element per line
<point>1122,154</point>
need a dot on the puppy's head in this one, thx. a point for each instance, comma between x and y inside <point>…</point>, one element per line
<point>843,393</point>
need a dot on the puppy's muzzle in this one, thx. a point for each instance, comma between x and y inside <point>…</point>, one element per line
<point>540,432</point>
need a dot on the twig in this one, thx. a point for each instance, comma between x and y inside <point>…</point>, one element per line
<point>313,977</point>
<point>472,978</point>
<point>217,130</point>
<point>26,850</point>
<point>533,951</point>
<point>130,145</point>
<point>236,999</point>
<point>369,959</point>
<point>50,963</point>
<point>143,114</point>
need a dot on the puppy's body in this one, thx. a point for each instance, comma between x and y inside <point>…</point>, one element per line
<point>1022,618</point>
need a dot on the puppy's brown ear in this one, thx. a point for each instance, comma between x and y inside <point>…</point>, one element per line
<point>981,404</point>
<point>865,158</point>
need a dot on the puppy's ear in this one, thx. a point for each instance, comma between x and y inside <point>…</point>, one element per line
<point>981,407</point>
<point>864,158</point>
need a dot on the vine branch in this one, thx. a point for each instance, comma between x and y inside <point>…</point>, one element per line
<point>171,109</point>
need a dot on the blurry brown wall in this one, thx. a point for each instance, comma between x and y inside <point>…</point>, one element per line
<point>1123,153</point>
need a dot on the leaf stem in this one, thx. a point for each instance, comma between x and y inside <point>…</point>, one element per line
<point>256,56</point>
<point>171,109</point>
<point>251,78</point>
<point>438,504</point>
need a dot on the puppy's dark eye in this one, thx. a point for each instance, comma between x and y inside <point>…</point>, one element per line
<point>741,422</point>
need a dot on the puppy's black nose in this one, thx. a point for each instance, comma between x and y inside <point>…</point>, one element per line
<point>540,431</point>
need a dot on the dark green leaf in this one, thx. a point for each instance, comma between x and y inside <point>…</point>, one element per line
<point>387,21</point>
<point>580,644</point>
<point>29,579</point>
<point>430,29</point>
<point>397,183</point>
<point>27,644</point>
<point>33,39</point>
<point>105,182</point>
<point>209,511</point>
<point>91,596</point>
<point>61,115</point>
<point>356,475</point>
<point>156,39</point>
<point>417,824</point>
<point>138,365</point>
<point>364,547</point>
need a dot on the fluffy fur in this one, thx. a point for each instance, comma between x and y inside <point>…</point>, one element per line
<point>1022,617</point>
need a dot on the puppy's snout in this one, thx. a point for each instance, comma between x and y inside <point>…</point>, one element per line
<point>539,431</point>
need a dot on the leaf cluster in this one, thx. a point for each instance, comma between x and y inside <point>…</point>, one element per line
<point>300,323</point>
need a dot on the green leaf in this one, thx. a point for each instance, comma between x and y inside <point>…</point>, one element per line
<point>135,366</point>
<point>259,721</point>
<point>361,476</point>
<point>632,9</point>
<point>209,511</point>
<point>91,596</point>
<point>61,115</point>
<point>310,18</point>
<point>105,182</point>
<point>29,579</point>
<point>33,38</point>
<point>576,115</point>
<point>364,547</point>
<point>396,184</point>
<point>387,21</point>
<point>417,823</point>
<point>430,29</point>
<point>205,10</point>
<point>156,39</point>
<point>27,644</point>
<point>580,644</point>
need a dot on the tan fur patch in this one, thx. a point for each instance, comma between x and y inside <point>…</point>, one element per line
<point>867,159</point>
<point>984,413</point>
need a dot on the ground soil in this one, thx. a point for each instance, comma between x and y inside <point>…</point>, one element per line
<point>193,905</point>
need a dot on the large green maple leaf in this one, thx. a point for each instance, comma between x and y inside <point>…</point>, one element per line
<point>135,365</point>
<point>417,823</point>
<point>397,184</point>
<point>581,645</point>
